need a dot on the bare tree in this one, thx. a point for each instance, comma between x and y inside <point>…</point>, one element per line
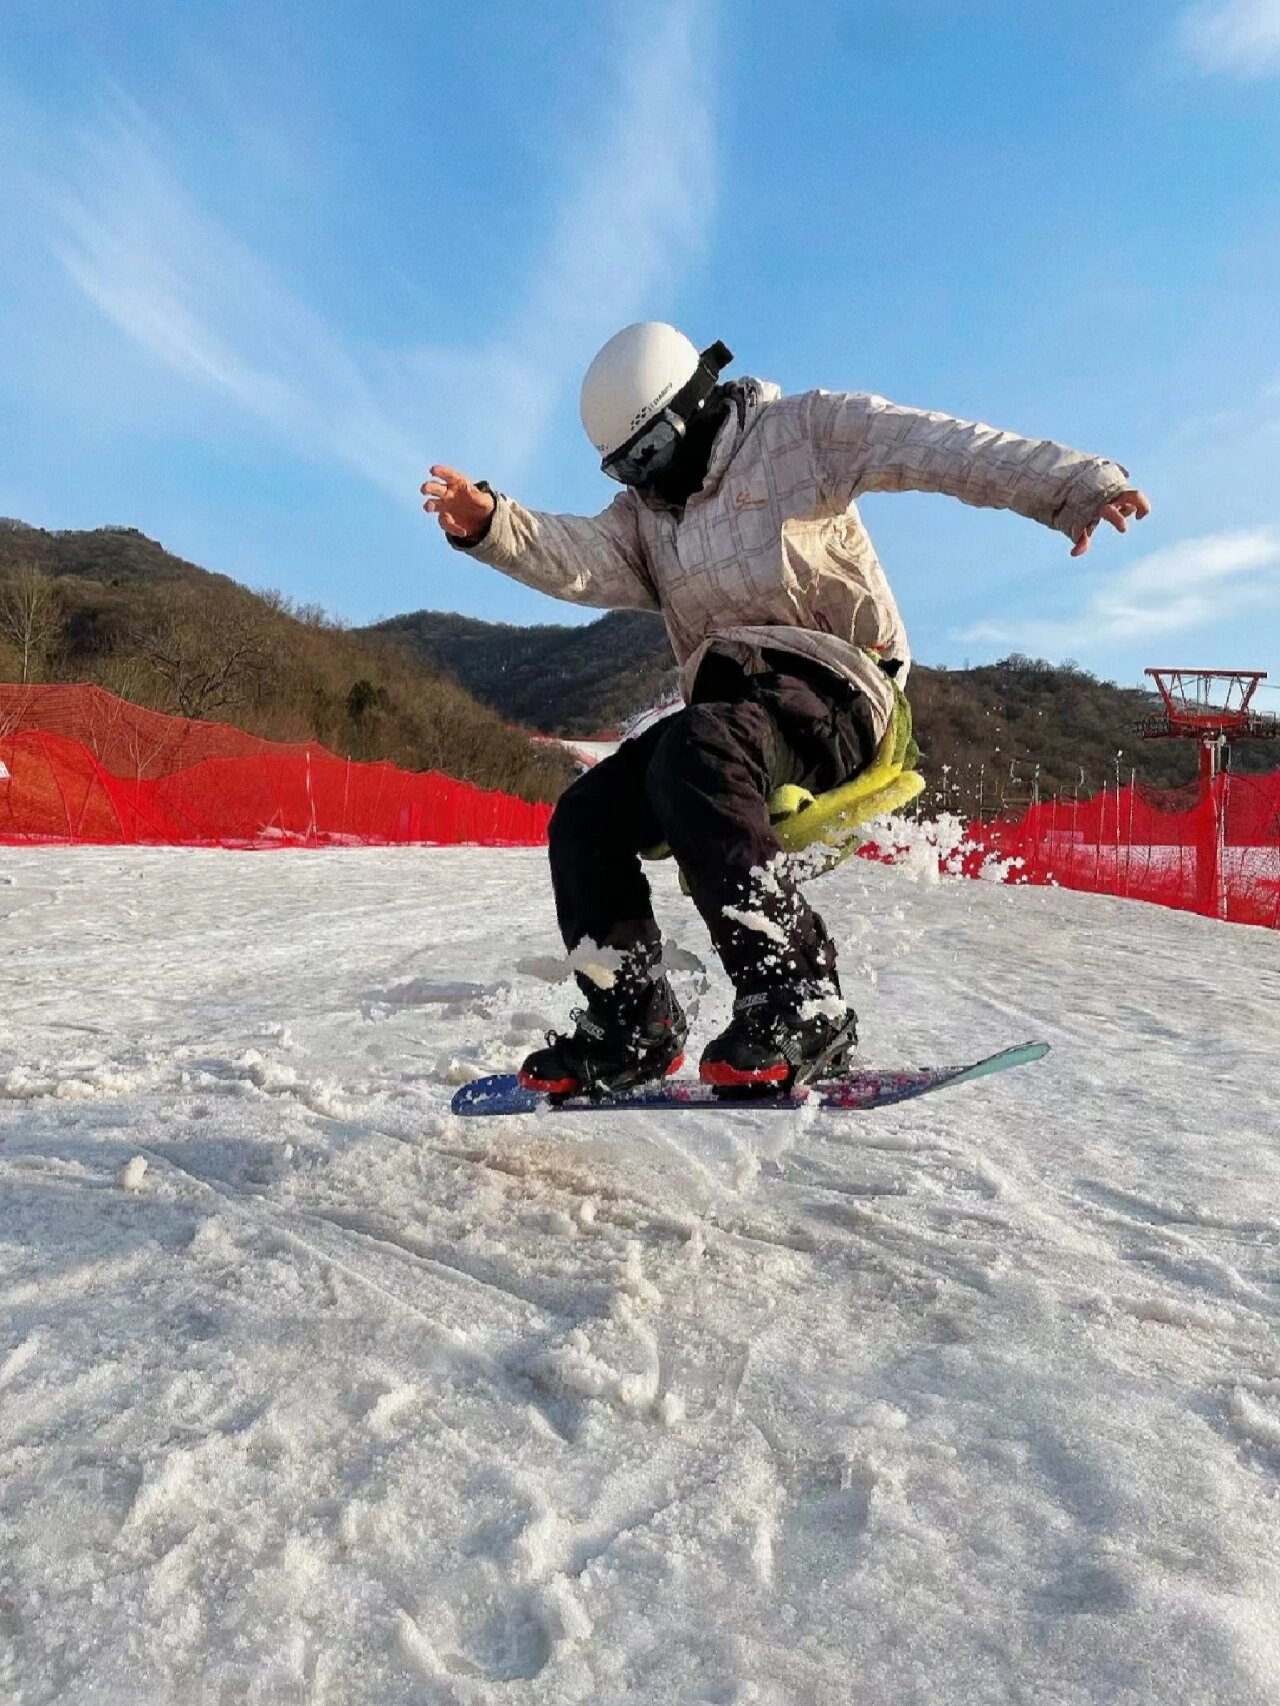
<point>211,655</point>
<point>30,617</point>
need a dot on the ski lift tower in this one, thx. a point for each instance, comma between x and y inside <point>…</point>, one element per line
<point>1213,707</point>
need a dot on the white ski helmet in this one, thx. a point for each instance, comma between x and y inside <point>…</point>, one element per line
<point>636,374</point>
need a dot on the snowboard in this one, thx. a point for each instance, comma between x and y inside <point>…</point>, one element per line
<point>852,1092</point>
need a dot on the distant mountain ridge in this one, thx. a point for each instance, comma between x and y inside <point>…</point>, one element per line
<point>992,737</point>
<point>555,677</point>
<point>433,689</point>
<point>122,556</point>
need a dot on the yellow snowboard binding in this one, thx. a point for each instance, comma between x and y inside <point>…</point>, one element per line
<point>830,822</point>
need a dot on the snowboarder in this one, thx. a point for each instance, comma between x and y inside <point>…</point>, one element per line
<point>738,523</point>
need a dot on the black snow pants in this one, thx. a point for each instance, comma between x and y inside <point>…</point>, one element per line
<point>699,780</point>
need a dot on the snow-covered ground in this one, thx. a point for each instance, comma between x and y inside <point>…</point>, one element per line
<point>590,752</point>
<point>310,1392</point>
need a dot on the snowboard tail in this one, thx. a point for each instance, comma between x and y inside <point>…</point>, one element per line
<point>851,1092</point>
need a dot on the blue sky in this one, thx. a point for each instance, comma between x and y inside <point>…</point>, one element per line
<point>264,261</point>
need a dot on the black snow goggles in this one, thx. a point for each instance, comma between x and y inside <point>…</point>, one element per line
<point>651,451</point>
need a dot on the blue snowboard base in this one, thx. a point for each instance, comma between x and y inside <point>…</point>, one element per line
<point>853,1092</point>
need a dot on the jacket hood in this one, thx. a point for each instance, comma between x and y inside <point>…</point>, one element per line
<point>747,398</point>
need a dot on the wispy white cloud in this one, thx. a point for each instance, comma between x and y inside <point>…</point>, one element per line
<point>177,284</point>
<point>641,205</point>
<point>635,204</point>
<point>1240,37</point>
<point>632,218</point>
<point>1183,588</point>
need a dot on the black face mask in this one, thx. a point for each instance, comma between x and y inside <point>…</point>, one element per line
<point>652,452</point>
<point>684,475</point>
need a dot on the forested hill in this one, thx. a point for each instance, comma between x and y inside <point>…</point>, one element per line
<point>561,679</point>
<point>434,690</point>
<point>990,727</point>
<point>113,607</point>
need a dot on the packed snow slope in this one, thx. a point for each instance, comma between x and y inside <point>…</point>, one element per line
<point>312,1393</point>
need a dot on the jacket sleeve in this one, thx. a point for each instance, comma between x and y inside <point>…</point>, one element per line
<point>863,443</point>
<point>593,560</point>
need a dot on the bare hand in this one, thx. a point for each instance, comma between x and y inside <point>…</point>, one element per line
<point>1117,512</point>
<point>462,507</point>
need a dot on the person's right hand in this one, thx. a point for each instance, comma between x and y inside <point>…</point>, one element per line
<point>462,507</point>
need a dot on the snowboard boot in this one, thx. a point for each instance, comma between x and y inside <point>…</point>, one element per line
<point>626,1035</point>
<point>779,1038</point>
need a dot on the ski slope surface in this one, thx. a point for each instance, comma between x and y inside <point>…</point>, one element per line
<point>313,1393</point>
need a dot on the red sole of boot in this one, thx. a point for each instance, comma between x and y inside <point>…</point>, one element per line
<point>724,1076</point>
<point>548,1086</point>
<point>570,1086</point>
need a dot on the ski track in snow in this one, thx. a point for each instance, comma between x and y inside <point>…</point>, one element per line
<point>311,1392</point>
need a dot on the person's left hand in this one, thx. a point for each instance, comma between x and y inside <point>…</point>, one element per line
<point>1117,511</point>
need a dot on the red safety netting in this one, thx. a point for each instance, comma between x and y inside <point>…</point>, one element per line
<point>1216,853</point>
<point>77,764</point>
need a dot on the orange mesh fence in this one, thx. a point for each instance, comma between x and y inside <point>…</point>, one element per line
<point>1216,853</point>
<point>78,764</point>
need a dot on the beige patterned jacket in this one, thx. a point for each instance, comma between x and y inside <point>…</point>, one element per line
<point>772,552</point>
